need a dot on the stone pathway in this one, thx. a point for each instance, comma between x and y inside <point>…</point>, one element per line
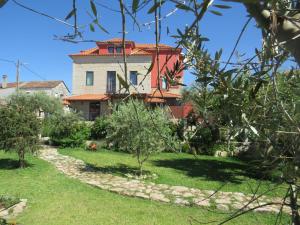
<point>224,201</point>
<point>13,211</point>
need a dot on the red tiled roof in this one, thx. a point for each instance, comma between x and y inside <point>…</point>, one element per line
<point>155,100</point>
<point>115,40</point>
<point>163,94</point>
<point>134,52</point>
<point>34,84</point>
<point>139,49</point>
<point>10,85</point>
<point>152,46</point>
<point>41,84</point>
<point>87,97</point>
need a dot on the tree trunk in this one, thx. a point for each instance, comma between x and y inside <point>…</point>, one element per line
<point>21,154</point>
<point>287,31</point>
<point>141,169</point>
<point>294,205</point>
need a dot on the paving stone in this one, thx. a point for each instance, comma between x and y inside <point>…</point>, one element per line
<point>179,188</point>
<point>222,207</point>
<point>188,195</point>
<point>141,195</point>
<point>223,200</point>
<point>201,202</point>
<point>77,169</point>
<point>181,201</point>
<point>159,197</point>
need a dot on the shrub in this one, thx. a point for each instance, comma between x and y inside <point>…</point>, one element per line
<point>99,128</point>
<point>140,131</point>
<point>201,140</point>
<point>180,129</point>
<point>68,130</point>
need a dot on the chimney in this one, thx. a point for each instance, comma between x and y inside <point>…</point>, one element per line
<point>4,81</point>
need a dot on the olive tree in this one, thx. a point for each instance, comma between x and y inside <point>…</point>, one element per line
<point>19,123</point>
<point>140,131</point>
<point>19,127</point>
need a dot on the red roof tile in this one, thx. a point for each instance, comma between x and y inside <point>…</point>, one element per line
<point>155,100</point>
<point>139,49</point>
<point>115,40</point>
<point>34,84</point>
<point>87,97</point>
<point>163,94</point>
<point>152,46</point>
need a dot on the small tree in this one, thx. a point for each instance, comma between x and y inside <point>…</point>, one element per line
<point>139,131</point>
<point>19,127</point>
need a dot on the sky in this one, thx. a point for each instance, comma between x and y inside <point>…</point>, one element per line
<point>30,37</point>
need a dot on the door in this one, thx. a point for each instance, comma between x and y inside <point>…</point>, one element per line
<point>94,110</point>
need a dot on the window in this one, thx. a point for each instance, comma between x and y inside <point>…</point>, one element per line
<point>111,49</point>
<point>89,78</point>
<point>111,81</point>
<point>118,49</point>
<point>133,77</point>
<point>164,84</point>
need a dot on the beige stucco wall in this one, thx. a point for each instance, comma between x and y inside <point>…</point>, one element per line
<point>100,65</point>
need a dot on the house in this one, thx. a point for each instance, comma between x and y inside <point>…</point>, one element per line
<point>56,88</point>
<point>96,70</point>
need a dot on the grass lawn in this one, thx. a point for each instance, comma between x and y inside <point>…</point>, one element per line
<point>203,172</point>
<point>56,199</point>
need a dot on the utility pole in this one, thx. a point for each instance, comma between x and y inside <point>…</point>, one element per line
<point>18,75</point>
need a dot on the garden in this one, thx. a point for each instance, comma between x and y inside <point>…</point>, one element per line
<point>126,159</point>
<point>138,160</point>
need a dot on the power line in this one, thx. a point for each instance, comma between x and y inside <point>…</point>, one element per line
<point>25,66</point>
<point>6,60</point>
<point>33,72</point>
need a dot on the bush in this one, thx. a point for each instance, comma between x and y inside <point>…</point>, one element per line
<point>180,129</point>
<point>99,128</point>
<point>68,130</point>
<point>202,140</point>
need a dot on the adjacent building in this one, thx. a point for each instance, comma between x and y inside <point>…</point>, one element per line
<point>96,71</point>
<point>55,88</point>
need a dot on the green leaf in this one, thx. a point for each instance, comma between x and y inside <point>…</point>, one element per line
<point>123,82</point>
<point>229,72</point>
<point>150,68</point>
<point>155,6</point>
<point>72,13</point>
<point>135,5</point>
<point>93,7</point>
<point>3,2</point>
<point>204,79</point>
<point>183,7</point>
<point>92,28</point>
<point>204,39</point>
<point>216,12</point>
<point>222,6</point>
<point>100,26</point>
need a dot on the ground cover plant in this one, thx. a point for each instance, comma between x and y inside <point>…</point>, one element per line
<point>7,201</point>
